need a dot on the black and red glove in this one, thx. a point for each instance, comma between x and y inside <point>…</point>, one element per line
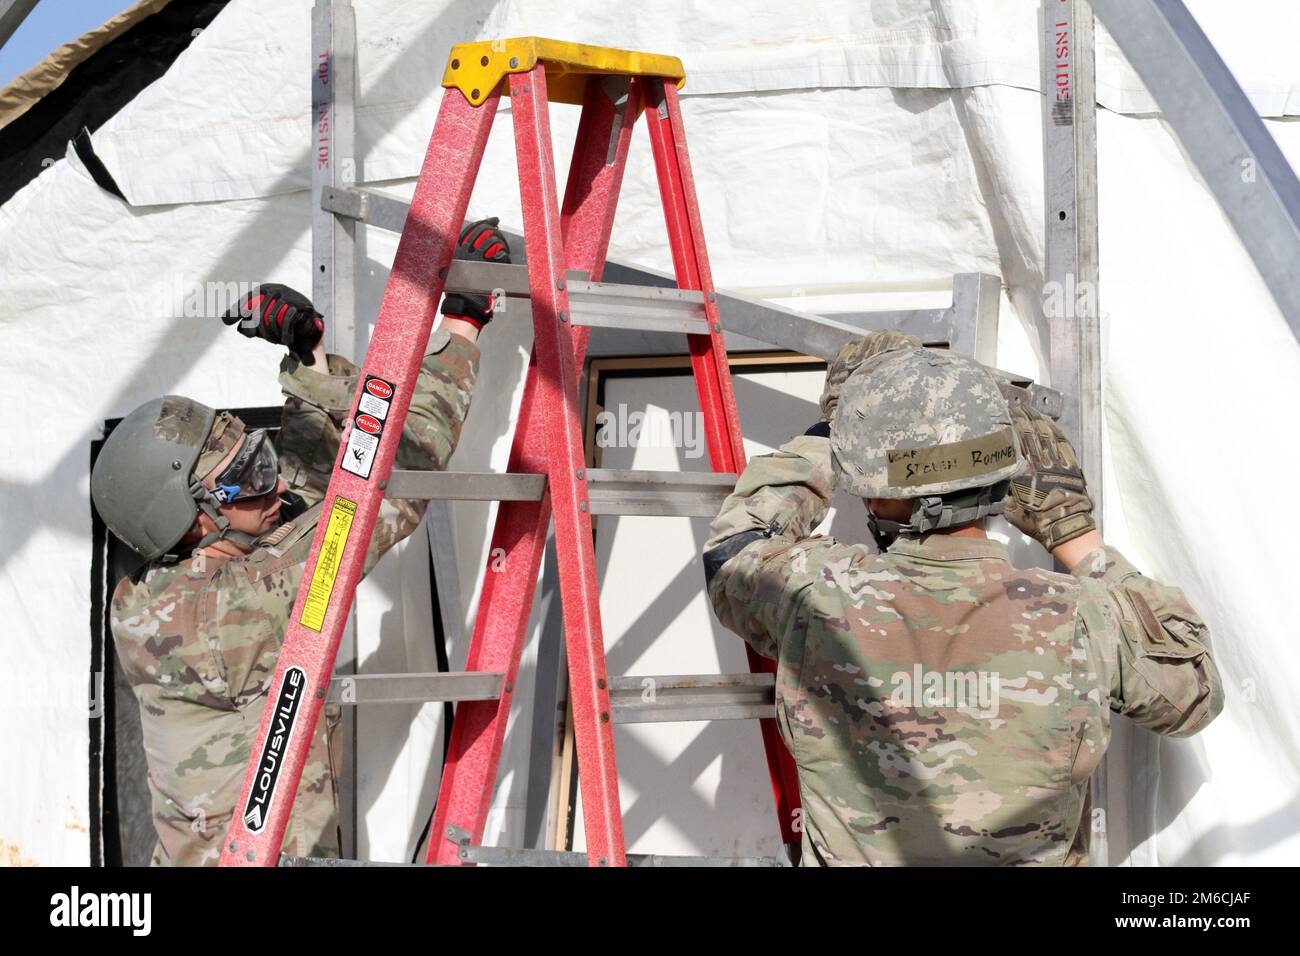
<point>479,242</point>
<point>281,316</point>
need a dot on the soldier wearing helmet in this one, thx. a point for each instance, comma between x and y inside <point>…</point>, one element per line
<point>223,518</point>
<point>941,705</point>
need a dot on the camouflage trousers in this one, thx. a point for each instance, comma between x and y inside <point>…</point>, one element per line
<point>191,825</point>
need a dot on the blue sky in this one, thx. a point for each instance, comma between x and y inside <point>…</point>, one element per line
<point>52,24</point>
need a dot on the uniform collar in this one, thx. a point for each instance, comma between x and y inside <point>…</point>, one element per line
<point>947,547</point>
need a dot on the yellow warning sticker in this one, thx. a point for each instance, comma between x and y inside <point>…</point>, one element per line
<point>327,565</point>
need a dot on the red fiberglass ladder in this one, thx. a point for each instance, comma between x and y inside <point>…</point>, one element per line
<point>613,87</point>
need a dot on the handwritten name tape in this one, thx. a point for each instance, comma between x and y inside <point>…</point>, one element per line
<point>910,467</point>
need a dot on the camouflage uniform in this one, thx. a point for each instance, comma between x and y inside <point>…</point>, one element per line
<point>881,657</point>
<point>198,639</point>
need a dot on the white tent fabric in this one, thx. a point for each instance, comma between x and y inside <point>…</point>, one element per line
<point>169,147</point>
<point>843,146</point>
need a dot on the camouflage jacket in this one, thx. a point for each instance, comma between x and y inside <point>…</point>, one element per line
<point>943,707</point>
<point>198,638</point>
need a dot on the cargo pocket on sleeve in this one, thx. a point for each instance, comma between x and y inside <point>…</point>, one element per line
<point>1165,631</point>
<point>1173,648</point>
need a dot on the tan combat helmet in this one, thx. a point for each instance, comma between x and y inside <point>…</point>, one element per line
<point>926,425</point>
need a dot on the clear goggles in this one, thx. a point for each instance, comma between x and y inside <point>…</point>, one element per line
<point>255,470</point>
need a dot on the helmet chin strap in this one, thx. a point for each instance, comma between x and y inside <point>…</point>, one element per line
<point>882,536</point>
<point>935,512</point>
<point>210,505</point>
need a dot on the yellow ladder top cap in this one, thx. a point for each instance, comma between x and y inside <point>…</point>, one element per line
<point>476,68</point>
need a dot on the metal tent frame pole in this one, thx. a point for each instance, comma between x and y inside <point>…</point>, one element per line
<point>333,286</point>
<point>1070,267</point>
<point>969,325</point>
<point>1249,177</point>
<point>12,15</point>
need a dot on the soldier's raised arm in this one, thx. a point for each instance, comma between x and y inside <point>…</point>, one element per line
<point>1150,645</point>
<point>317,406</point>
<point>755,561</point>
<point>758,557</point>
<point>319,388</point>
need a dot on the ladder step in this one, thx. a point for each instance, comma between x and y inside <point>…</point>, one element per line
<point>464,485</point>
<point>414,688</point>
<point>507,856</point>
<point>643,700</point>
<point>302,862</point>
<point>502,856</point>
<point>619,491</point>
<point>609,305</point>
<point>639,308</point>
<point>611,491</point>
<point>488,277</point>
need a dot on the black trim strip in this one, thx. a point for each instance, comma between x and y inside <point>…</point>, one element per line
<point>96,89</point>
<point>109,561</point>
<point>99,793</point>
<point>94,165</point>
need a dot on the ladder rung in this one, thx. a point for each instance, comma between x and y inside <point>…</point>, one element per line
<point>508,856</point>
<point>414,688</point>
<point>464,485</point>
<point>635,307</point>
<point>612,491</point>
<point>504,856</point>
<point>485,277</point>
<point>617,491</point>
<point>299,862</point>
<point>642,700</point>
<point>611,305</point>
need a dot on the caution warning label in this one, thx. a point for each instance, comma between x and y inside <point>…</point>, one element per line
<point>327,565</point>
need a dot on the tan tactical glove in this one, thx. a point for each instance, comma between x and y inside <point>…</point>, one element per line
<point>1049,501</point>
<point>848,359</point>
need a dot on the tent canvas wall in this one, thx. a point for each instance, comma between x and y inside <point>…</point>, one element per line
<point>846,155</point>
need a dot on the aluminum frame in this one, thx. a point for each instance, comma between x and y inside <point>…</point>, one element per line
<point>333,292</point>
<point>1071,265</point>
<point>969,325</point>
<point>12,15</point>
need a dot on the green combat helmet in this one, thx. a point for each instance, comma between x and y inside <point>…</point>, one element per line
<point>926,425</point>
<point>147,482</point>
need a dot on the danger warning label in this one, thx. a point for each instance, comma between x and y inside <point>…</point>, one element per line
<point>367,427</point>
<point>375,398</point>
<point>375,407</point>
